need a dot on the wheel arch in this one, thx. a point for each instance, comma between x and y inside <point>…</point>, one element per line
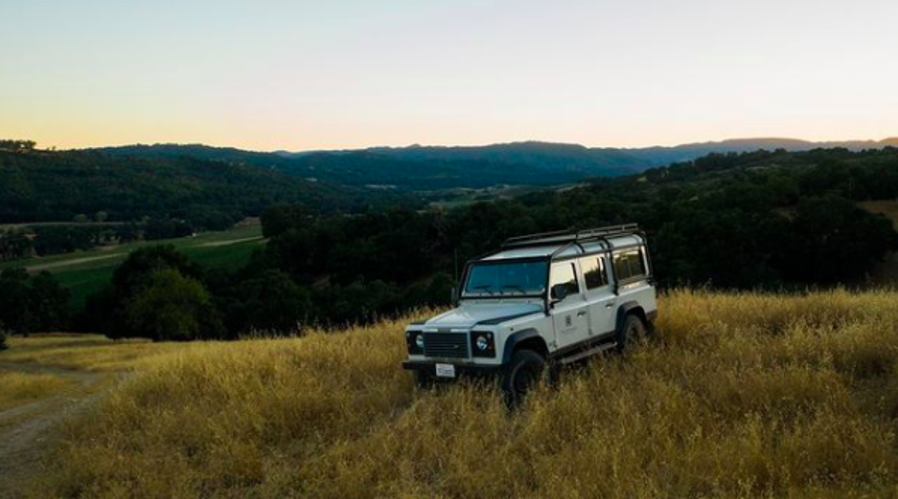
<point>526,338</point>
<point>630,308</point>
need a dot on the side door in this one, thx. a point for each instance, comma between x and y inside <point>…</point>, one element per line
<point>600,297</point>
<point>570,315</point>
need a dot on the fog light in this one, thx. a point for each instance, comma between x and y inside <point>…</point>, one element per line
<point>419,340</point>
<point>482,343</point>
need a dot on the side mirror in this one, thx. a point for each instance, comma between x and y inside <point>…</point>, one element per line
<point>559,292</point>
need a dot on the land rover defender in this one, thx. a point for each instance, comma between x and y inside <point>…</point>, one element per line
<point>542,299</point>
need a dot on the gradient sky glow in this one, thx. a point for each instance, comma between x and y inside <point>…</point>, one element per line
<point>302,75</point>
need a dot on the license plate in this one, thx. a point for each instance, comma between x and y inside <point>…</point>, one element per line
<point>445,371</point>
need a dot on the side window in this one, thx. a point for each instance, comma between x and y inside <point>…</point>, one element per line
<point>629,264</point>
<point>563,273</point>
<point>594,272</point>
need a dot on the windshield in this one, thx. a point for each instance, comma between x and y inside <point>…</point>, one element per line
<point>506,279</point>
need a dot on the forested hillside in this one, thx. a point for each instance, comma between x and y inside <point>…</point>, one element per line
<point>37,185</point>
<point>613,161</point>
<point>660,156</point>
<point>771,220</point>
<point>429,168</point>
<point>420,168</point>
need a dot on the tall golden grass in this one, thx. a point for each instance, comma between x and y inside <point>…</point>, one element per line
<point>21,388</point>
<point>738,395</point>
<point>88,352</point>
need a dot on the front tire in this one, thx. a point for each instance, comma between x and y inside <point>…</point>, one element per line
<point>423,380</point>
<point>521,375</point>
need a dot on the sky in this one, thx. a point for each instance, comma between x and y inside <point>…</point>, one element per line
<point>336,74</point>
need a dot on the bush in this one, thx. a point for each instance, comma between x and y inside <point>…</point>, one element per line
<point>3,345</point>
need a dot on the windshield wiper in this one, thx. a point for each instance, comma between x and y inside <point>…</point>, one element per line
<point>484,287</point>
<point>515,287</point>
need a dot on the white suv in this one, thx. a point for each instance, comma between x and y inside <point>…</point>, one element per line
<point>544,298</point>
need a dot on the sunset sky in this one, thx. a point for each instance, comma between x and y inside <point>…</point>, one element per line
<point>302,75</point>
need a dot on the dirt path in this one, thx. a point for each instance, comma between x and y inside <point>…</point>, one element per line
<point>29,431</point>
<point>75,261</point>
<point>214,244</point>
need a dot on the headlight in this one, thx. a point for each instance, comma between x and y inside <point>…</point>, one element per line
<point>414,342</point>
<point>484,344</point>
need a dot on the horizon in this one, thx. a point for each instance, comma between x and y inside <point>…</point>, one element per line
<point>40,146</point>
<point>302,76</point>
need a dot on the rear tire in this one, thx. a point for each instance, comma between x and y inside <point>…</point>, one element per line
<point>633,333</point>
<point>520,375</point>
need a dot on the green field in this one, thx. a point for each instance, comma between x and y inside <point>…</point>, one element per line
<point>85,272</point>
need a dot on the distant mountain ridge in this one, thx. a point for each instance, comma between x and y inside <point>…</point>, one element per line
<point>610,160</point>
<point>423,168</point>
<point>660,155</point>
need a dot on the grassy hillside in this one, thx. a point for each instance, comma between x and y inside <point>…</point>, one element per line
<point>738,395</point>
<point>86,272</point>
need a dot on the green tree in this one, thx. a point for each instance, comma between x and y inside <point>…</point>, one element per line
<point>140,265</point>
<point>271,302</point>
<point>172,308</point>
<point>80,218</point>
<point>15,305</point>
<point>279,219</point>
<point>832,240</point>
<point>49,304</point>
<point>106,311</point>
<point>101,216</point>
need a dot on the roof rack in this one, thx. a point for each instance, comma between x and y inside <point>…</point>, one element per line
<point>566,236</point>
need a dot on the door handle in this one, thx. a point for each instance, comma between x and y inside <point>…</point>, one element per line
<point>581,313</point>
<point>609,305</point>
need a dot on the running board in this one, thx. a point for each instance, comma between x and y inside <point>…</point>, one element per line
<point>587,353</point>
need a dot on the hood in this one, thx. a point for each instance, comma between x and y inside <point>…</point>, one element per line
<point>468,315</point>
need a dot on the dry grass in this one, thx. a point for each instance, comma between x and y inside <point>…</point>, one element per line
<point>88,352</point>
<point>740,395</point>
<point>21,388</point>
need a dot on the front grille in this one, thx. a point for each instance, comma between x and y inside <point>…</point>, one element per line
<point>451,345</point>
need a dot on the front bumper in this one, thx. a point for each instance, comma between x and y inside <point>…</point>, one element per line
<point>429,367</point>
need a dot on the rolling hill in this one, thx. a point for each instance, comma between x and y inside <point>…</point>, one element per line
<point>420,168</point>
<point>658,156</point>
<point>429,168</point>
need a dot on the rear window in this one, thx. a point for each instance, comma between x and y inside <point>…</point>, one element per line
<point>629,264</point>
